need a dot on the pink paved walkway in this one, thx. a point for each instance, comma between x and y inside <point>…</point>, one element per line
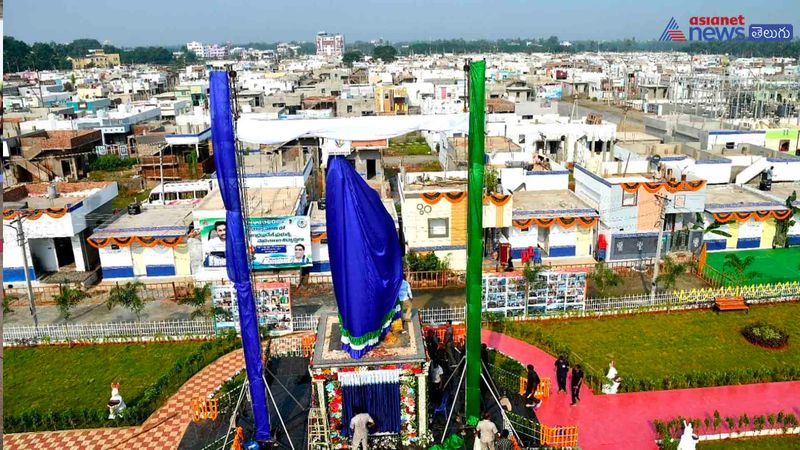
<point>624,421</point>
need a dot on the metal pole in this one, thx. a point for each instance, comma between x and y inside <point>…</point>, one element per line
<point>161,170</point>
<point>21,243</point>
<point>663,200</point>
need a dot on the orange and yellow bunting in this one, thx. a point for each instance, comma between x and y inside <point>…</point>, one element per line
<point>433,198</point>
<point>671,186</point>
<point>55,213</point>
<point>760,216</point>
<point>564,222</point>
<point>145,241</point>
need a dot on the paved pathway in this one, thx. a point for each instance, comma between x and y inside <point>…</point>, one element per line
<point>164,429</point>
<point>625,421</point>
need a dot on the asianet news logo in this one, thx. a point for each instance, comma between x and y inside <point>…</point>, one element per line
<point>726,28</point>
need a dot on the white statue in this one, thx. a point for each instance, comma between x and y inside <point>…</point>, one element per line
<point>688,439</point>
<point>115,405</point>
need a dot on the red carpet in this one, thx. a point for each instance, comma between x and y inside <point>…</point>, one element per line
<point>624,421</point>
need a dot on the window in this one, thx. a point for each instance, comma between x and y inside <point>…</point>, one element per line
<point>349,108</point>
<point>521,138</point>
<point>629,198</point>
<point>438,228</point>
<point>186,195</point>
<point>169,196</point>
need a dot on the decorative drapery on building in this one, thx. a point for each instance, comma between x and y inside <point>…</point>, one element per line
<point>376,392</point>
<point>760,216</point>
<point>144,241</point>
<point>670,186</point>
<point>365,256</point>
<point>564,222</point>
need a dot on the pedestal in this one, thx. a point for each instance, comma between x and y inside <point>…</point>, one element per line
<point>405,353</point>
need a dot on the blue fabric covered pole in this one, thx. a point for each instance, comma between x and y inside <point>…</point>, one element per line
<point>236,247</point>
<point>366,259</point>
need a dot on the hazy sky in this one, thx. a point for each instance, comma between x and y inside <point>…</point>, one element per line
<point>173,22</point>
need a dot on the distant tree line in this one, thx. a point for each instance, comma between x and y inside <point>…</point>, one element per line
<point>19,56</point>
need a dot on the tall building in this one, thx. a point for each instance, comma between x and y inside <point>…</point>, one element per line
<point>330,44</point>
<point>197,48</point>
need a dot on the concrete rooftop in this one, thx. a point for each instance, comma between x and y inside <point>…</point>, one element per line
<point>161,221</point>
<point>263,202</point>
<point>544,204</point>
<point>35,194</point>
<point>733,198</point>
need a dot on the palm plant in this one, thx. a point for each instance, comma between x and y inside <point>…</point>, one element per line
<point>782,226</point>
<point>67,298</point>
<point>127,296</point>
<point>670,272</point>
<point>200,298</point>
<point>739,268</point>
<point>712,228</point>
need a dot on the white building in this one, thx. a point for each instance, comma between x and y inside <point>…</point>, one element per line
<point>330,44</point>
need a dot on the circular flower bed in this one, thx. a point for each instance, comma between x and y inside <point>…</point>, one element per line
<point>765,335</point>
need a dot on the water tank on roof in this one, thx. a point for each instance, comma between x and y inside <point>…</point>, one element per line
<point>52,191</point>
<point>134,209</point>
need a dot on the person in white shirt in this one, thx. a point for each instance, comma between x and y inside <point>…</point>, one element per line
<point>614,380</point>
<point>358,425</point>
<point>215,246</point>
<point>486,432</point>
<point>405,297</point>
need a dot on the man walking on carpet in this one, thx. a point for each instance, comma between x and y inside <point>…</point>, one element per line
<point>530,389</point>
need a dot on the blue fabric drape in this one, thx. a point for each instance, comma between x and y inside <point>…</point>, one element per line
<point>236,246</point>
<point>381,401</point>
<point>365,257</point>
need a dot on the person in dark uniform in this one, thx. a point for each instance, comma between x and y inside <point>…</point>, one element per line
<point>432,343</point>
<point>576,382</point>
<point>530,389</point>
<point>485,355</point>
<point>562,369</point>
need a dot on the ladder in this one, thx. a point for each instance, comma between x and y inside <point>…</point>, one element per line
<point>318,435</point>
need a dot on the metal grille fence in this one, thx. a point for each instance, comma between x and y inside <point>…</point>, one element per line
<point>108,332</point>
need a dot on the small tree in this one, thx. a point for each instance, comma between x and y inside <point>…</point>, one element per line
<point>385,53</point>
<point>531,274</point>
<point>671,271</point>
<point>490,180</point>
<point>603,277</point>
<point>127,296</point>
<point>7,303</point>
<point>199,298</point>
<point>739,268</point>
<point>352,56</point>
<point>67,298</point>
<point>426,262</point>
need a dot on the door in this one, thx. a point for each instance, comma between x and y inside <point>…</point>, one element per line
<point>182,265</point>
<point>139,261</point>
<point>371,169</point>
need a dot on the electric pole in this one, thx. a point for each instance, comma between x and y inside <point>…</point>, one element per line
<point>662,200</point>
<point>21,242</point>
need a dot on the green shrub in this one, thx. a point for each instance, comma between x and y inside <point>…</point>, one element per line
<point>111,163</point>
<point>765,335</point>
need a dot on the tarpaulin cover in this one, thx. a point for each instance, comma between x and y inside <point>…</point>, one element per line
<point>235,246</point>
<point>258,129</point>
<point>365,256</point>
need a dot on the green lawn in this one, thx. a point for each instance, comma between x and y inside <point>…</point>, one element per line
<point>767,443</point>
<point>58,378</point>
<point>410,144</point>
<point>654,346</point>
<point>772,265</point>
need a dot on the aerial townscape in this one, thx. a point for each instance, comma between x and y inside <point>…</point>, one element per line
<point>438,239</point>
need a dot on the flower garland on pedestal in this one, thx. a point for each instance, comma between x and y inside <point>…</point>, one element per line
<point>409,431</point>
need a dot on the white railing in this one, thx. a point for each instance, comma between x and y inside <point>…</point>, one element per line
<point>108,332</point>
<point>306,322</point>
<point>189,329</point>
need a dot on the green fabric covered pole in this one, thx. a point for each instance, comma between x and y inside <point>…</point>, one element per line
<point>477,102</point>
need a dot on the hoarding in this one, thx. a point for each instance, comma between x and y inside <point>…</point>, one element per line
<point>275,242</point>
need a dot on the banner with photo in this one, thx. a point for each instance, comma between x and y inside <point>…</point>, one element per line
<point>273,307</point>
<point>275,242</point>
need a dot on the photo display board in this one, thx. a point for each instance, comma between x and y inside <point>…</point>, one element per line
<point>273,307</point>
<point>509,294</point>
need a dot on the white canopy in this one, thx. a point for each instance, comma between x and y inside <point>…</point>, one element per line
<point>258,129</point>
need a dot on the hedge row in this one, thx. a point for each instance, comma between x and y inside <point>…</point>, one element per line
<point>138,410</point>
